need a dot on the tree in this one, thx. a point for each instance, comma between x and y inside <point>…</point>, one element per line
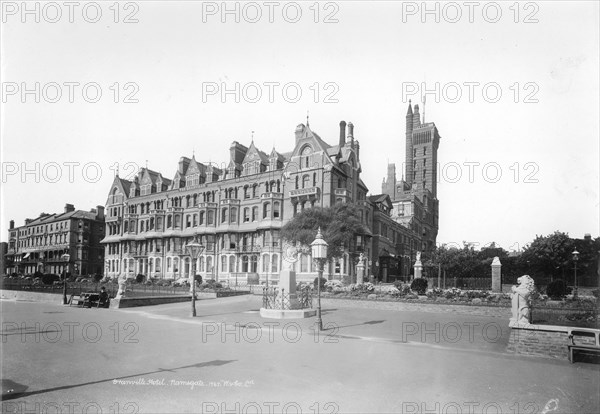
<point>339,225</point>
<point>548,255</point>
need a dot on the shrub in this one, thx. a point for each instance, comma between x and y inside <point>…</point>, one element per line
<point>49,279</point>
<point>323,281</point>
<point>419,285</point>
<point>556,289</point>
<point>97,277</point>
<point>140,278</point>
<point>38,275</point>
<point>198,279</point>
<point>330,285</point>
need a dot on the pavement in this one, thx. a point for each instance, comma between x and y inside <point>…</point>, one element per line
<point>370,358</point>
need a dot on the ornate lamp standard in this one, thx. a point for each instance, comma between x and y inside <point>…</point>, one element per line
<point>65,258</point>
<point>575,259</point>
<point>194,249</point>
<point>319,254</point>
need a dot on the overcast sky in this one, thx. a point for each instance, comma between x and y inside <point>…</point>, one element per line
<point>529,134</point>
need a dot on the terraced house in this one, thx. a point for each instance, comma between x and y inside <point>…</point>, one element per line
<point>236,212</point>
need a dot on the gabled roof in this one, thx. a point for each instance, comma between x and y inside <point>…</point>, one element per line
<point>275,154</point>
<point>195,167</point>
<point>253,153</point>
<point>148,176</point>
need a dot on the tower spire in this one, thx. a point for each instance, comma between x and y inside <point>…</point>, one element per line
<point>424,100</point>
<point>307,124</point>
<point>409,112</point>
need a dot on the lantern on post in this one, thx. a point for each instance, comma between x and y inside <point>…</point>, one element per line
<point>193,249</point>
<point>319,254</point>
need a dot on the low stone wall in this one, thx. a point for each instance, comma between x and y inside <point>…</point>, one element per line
<point>539,340</point>
<point>147,301</point>
<point>31,296</point>
<point>221,294</point>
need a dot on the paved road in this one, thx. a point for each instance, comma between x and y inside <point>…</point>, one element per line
<point>158,359</point>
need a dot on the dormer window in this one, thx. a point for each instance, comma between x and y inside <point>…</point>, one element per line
<point>192,180</point>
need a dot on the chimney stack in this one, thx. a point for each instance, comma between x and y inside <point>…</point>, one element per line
<point>69,208</point>
<point>11,224</point>
<point>351,133</point>
<point>100,212</point>
<point>342,133</point>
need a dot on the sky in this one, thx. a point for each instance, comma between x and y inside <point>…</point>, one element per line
<point>513,89</point>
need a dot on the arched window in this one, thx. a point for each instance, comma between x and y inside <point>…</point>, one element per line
<point>177,221</point>
<point>176,264</point>
<point>195,220</point>
<point>254,264</point>
<point>305,181</point>
<point>201,264</point>
<point>274,263</point>
<point>254,213</point>
<point>157,264</point>
<point>265,263</point>
<point>266,210</point>
<point>209,264</point>
<point>233,218</point>
<point>276,207</point>
<point>201,219</point>
<point>254,190</point>
<point>210,217</point>
<point>303,263</point>
<point>169,264</point>
<point>224,264</point>
<point>223,215</point>
<point>246,214</point>
<point>314,179</point>
<point>245,264</point>
<point>297,181</point>
<point>232,267</point>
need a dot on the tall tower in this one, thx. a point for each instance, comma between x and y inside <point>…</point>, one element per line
<point>425,140</point>
<point>408,164</point>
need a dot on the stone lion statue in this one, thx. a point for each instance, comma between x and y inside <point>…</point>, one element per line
<point>520,299</point>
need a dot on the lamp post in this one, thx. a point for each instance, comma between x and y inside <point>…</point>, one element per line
<point>194,249</point>
<point>319,254</point>
<point>65,258</point>
<point>575,259</point>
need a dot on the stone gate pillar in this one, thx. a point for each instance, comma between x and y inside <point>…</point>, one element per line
<point>360,269</point>
<point>418,266</point>
<point>496,275</point>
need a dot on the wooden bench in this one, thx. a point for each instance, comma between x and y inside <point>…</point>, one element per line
<point>87,299</point>
<point>583,347</point>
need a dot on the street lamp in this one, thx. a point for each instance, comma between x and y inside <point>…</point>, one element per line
<point>194,249</point>
<point>319,253</point>
<point>575,259</point>
<point>65,258</point>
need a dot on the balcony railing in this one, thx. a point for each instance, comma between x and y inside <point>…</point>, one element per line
<point>207,205</point>
<point>310,191</point>
<point>230,201</point>
<point>256,248</point>
<point>270,195</point>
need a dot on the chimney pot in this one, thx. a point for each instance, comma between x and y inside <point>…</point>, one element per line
<point>342,133</point>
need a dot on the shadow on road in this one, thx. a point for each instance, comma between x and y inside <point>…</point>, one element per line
<point>18,394</point>
<point>358,324</point>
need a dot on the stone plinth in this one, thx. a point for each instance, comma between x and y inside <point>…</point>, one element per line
<point>287,313</point>
<point>496,275</point>
<point>418,270</point>
<point>360,273</point>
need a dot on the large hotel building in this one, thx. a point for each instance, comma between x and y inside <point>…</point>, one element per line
<point>237,211</point>
<point>39,244</point>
